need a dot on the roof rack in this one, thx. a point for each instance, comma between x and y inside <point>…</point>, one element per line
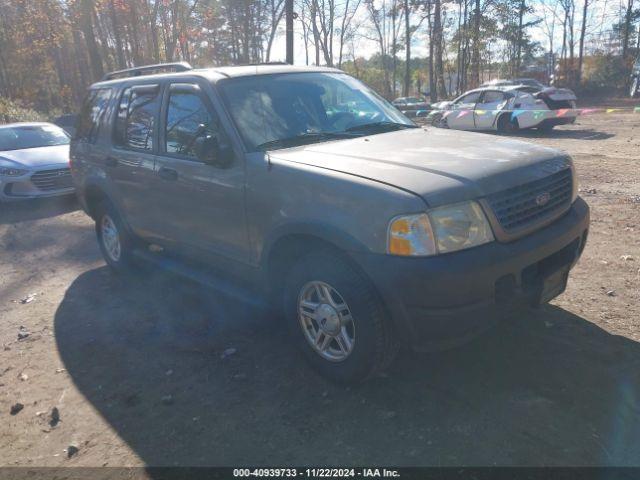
<point>135,71</point>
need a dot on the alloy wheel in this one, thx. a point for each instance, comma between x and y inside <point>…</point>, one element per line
<point>110,238</point>
<point>326,321</point>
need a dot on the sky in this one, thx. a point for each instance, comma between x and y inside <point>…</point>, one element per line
<point>602,14</point>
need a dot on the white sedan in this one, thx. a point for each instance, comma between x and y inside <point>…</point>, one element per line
<point>34,161</point>
<point>506,109</point>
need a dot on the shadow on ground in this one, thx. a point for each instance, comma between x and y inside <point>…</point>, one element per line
<point>546,389</point>
<point>582,134</point>
<point>36,209</point>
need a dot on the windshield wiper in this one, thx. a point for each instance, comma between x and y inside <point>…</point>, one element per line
<point>304,138</point>
<point>380,126</point>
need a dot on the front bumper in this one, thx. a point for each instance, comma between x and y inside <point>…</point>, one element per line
<point>45,181</point>
<point>439,300</point>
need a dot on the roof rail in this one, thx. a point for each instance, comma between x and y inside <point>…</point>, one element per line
<point>135,71</point>
<point>258,64</point>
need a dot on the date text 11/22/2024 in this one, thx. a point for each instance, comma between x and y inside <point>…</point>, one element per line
<point>316,472</point>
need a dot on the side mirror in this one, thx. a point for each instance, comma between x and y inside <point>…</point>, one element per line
<point>209,151</point>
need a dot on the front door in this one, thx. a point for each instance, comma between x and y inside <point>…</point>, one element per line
<point>197,205</point>
<point>462,115</point>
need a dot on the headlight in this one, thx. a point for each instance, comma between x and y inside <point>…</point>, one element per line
<point>460,226</point>
<point>441,230</point>
<point>11,172</point>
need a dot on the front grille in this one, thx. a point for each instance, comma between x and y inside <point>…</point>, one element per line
<point>47,180</point>
<point>524,206</point>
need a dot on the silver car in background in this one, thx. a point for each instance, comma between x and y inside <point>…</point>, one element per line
<point>34,161</point>
<point>506,109</point>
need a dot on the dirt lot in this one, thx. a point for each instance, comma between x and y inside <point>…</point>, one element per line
<point>136,366</point>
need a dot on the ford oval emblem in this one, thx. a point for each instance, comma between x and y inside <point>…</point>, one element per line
<point>543,199</point>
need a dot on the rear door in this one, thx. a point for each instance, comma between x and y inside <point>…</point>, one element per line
<point>197,205</point>
<point>130,164</point>
<point>485,112</point>
<point>89,145</point>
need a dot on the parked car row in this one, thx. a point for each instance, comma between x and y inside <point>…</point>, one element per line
<point>412,106</point>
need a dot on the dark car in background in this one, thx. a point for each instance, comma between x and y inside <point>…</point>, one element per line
<point>412,106</point>
<point>529,82</point>
<point>67,122</point>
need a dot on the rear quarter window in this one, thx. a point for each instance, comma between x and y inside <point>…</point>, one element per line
<point>92,114</point>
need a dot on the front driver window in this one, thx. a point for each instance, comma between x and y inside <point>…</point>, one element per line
<point>468,101</point>
<point>187,119</point>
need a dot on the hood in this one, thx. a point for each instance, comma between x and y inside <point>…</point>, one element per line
<point>441,105</point>
<point>441,166</point>
<point>35,157</point>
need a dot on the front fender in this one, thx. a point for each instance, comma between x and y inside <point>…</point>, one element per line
<point>324,232</point>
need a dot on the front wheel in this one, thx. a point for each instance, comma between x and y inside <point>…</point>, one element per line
<point>439,121</point>
<point>337,319</point>
<point>635,84</point>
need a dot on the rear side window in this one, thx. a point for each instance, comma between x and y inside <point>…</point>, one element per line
<point>136,117</point>
<point>187,119</point>
<point>490,97</point>
<point>92,114</point>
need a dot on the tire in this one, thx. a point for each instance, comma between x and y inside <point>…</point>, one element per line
<point>110,229</point>
<point>439,121</point>
<point>635,85</point>
<point>359,314</point>
<point>546,128</point>
<point>506,125</point>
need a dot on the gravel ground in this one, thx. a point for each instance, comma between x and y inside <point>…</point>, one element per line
<point>136,370</point>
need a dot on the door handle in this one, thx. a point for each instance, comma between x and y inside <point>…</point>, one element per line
<point>111,162</point>
<point>168,173</point>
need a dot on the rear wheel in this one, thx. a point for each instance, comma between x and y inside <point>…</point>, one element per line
<point>507,125</point>
<point>337,319</point>
<point>635,84</point>
<point>116,244</point>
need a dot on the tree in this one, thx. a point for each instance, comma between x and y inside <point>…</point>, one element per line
<point>626,31</point>
<point>86,25</point>
<point>583,30</point>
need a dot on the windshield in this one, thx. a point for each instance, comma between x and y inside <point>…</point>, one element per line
<point>31,136</point>
<point>270,110</point>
